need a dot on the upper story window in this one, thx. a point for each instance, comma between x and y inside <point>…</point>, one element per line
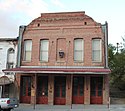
<point>78,50</point>
<point>10,58</point>
<point>27,50</point>
<point>96,50</point>
<point>44,48</point>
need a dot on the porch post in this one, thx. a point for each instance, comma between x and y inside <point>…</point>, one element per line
<point>105,89</point>
<point>33,90</point>
<point>71,88</point>
<point>68,90</point>
<point>87,90</point>
<point>51,89</point>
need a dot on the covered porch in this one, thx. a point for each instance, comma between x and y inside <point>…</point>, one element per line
<point>62,86</point>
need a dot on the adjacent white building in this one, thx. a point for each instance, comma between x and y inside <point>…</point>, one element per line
<point>8,55</point>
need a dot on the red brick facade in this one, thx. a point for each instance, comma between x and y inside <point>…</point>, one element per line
<point>67,27</point>
<point>61,29</point>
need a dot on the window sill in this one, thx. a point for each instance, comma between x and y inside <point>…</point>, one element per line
<point>96,61</point>
<point>26,61</point>
<point>60,61</point>
<point>43,61</point>
<point>78,61</point>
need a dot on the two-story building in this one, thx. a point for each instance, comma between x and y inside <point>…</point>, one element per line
<point>62,60</point>
<point>8,54</point>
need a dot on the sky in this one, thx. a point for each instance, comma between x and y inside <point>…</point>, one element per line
<point>14,13</point>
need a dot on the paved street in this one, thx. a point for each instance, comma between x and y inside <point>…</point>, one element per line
<point>27,107</point>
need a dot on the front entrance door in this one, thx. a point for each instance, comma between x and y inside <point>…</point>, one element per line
<point>96,90</point>
<point>78,90</point>
<point>25,91</point>
<point>60,91</point>
<point>42,90</point>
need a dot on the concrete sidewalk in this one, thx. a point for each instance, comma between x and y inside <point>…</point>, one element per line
<point>28,107</point>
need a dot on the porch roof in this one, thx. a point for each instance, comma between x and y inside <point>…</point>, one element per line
<point>59,70</point>
<point>4,80</point>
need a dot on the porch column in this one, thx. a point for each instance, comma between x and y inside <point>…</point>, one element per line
<point>105,89</point>
<point>33,89</point>
<point>87,90</point>
<point>17,85</point>
<point>68,89</point>
<point>0,91</point>
<point>51,89</point>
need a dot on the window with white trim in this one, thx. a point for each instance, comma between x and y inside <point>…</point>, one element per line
<point>96,50</point>
<point>78,50</point>
<point>44,48</point>
<point>10,58</point>
<point>27,50</point>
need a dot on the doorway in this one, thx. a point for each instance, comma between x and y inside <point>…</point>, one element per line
<point>25,91</point>
<point>60,90</point>
<point>96,90</point>
<point>78,90</point>
<point>42,90</point>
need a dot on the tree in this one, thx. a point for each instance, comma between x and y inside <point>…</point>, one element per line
<point>111,53</point>
<point>117,66</point>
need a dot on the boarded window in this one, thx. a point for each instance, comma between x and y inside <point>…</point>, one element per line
<point>61,47</point>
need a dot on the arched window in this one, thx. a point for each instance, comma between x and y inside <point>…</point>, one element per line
<point>10,58</point>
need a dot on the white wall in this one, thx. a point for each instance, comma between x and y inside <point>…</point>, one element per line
<point>4,46</point>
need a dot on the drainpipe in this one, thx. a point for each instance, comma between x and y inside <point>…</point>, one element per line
<point>105,31</point>
<point>21,31</point>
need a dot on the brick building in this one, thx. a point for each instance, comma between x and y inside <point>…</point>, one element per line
<point>62,60</point>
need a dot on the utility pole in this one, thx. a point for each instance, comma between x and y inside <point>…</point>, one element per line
<point>117,47</point>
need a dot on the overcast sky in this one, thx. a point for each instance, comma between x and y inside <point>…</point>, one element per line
<point>14,13</point>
